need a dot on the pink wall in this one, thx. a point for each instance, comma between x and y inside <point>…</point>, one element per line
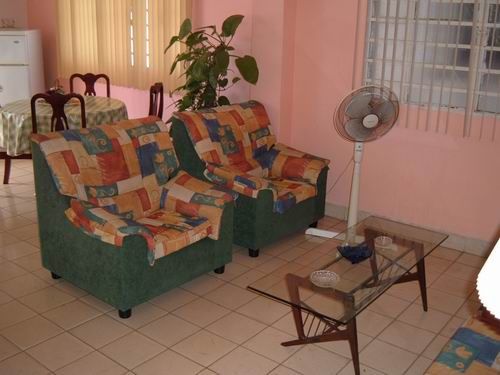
<point>440,181</point>
<point>306,54</point>
<point>15,10</point>
<point>42,15</point>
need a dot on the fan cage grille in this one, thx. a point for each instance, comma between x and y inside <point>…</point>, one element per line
<point>378,94</point>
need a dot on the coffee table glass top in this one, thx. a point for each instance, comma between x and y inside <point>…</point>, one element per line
<point>358,284</point>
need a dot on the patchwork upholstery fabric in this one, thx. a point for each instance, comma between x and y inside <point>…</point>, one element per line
<point>287,162</point>
<point>165,231</point>
<point>120,177</point>
<point>230,135</point>
<point>120,167</point>
<point>240,153</point>
<point>474,349</point>
<point>195,198</point>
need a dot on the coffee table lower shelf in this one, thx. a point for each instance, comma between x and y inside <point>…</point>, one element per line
<point>315,328</point>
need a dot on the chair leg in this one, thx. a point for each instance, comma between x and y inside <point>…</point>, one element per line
<point>313,225</point>
<point>253,253</point>
<point>220,270</point>
<point>125,314</point>
<point>6,172</point>
<point>55,276</point>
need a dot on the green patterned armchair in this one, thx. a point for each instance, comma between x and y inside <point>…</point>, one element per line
<point>281,190</point>
<point>118,218</point>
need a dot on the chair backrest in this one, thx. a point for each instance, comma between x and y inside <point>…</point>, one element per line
<point>121,167</point>
<point>156,100</point>
<point>59,121</point>
<point>231,134</point>
<point>90,79</point>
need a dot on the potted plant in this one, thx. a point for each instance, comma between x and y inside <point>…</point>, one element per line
<point>206,61</point>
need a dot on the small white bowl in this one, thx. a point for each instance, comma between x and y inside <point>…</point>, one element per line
<point>383,241</point>
<point>324,278</point>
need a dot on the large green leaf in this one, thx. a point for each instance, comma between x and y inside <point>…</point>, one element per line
<point>248,68</point>
<point>174,39</point>
<point>221,60</point>
<point>223,82</point>
<point>194,38</point>
<point>199,71</point>
<point>185,28</point>
<point>223,100</point>
<point>230,24</point>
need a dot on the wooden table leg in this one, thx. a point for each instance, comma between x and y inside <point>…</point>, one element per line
<point>422,282</point>
<point>352,334</point>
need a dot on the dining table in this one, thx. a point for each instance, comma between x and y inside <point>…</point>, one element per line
<point>15,120</point>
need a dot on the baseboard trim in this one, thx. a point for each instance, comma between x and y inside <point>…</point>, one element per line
<point>455,241</point>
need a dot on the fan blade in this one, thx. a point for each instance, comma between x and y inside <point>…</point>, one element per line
<point>359,106</point>
<point>355,129</point>
<point>385,111</point>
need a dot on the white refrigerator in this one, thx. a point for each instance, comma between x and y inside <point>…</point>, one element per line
<point>21,65</point>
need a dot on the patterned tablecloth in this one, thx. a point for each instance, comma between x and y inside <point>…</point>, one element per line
<point>15,120</point>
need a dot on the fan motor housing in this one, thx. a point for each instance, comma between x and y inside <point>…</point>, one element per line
<point>370,121</point>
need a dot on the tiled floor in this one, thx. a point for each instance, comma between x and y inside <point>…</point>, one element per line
<point>211,325</point>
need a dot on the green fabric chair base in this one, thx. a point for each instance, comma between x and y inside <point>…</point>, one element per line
<point>119,276</point>
<point>255,223</point>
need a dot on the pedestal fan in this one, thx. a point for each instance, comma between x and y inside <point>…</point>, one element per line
<point>364,115</point>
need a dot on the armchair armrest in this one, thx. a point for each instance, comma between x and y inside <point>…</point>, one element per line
<point>289,163</point>
<point>112,228</point>
<point>193,197</point>
<point>236,180</point>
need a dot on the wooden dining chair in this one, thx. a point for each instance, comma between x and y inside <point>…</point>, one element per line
<point>156,100</point>
<point>90,79</point>
<point>58,122</point>
<point>57,101</point>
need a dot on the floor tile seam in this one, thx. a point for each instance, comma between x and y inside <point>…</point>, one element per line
<point>166,350</point>
<point>241,346</point>
<point>415,361</point>
<point>198,363</point>
<point>38,291</point>
<point>100,313</point>
<point>394,345</point>
<point>40,342</point>
<point>415,326</point>
<point>377,337</point>
<point>441,274</point>
<point>26,353</point>
<point>23,320</point>
<point>262,355</point>
<point>17,277</point>
<point>467,296</point>
<point>405,349</point>
<point>93,351</point>
<point>53,337</point>
<point>25,239</point>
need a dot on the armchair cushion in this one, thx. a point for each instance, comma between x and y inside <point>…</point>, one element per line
<point>285,192</point>
<point>286,162</point>
<point>192,197</point>
<point>165,231</point>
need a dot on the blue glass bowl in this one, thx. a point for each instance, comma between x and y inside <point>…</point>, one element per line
<point>355,254</point>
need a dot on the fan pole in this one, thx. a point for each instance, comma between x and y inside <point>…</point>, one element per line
<point>352,217</point>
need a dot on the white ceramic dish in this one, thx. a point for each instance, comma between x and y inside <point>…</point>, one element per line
<point>324,278</point>
<point>383,241</point>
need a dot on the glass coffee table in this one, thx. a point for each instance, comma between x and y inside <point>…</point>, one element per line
<point>328,312</point>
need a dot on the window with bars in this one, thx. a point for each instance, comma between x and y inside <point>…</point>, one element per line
<point>436,53</point>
